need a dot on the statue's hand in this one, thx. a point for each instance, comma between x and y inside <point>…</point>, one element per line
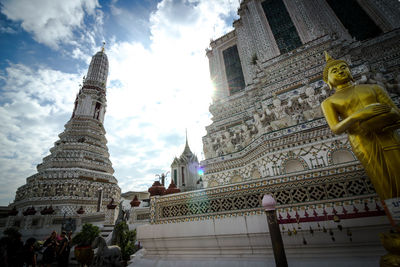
<point>387,121</point>
<point>392,127</point>
<point>371,111</point>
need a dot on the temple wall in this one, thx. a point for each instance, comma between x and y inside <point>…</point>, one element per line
<point>245,241</point>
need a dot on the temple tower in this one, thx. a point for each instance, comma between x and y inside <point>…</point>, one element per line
<point>76,179</point>
<point>184,170</point>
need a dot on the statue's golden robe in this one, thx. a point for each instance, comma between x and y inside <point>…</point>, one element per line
<point>375,141</point>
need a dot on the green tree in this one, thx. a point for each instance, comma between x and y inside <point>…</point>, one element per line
<point>125,239</point>
<point>87,235</point>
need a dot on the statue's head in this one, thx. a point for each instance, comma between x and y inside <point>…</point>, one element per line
<point>310,91</point>
<point>276,102</point>
<point>336,72</point>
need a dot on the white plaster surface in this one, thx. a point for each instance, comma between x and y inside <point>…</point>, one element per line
<point>262,262</point>
<point>245,241</point>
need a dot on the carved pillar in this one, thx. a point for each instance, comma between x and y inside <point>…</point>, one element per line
<point>99,199</point>
<point>384,13</point>
<point>322,12</point>
<point>307,25</point>
<point>216,72</point>
<point>110,215</point>
<point>246,51</point>
<point>10,221</point>
<point>256,24</point>
<point>27,223</point>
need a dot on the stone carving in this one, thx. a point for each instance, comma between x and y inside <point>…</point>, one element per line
<point>313,101</point>
<point>246,134</point>
<point>237,139</point>
<point>208,148</point>
<point>362,80</point>
<point>227,146</point>
<point>282,117</point>
<point>379,79</point>
<point>259,122</point>
<point>218,145</point>
<point>391,84</point>
<point>279,111</point>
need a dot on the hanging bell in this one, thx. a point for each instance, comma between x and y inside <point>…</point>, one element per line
<point>340,227</point>
<point>294,231</point>
<point>289,233</point>
<point>304,241</point>
<point>336,218</point>
<point>283,228</point>
<point>349,233</point>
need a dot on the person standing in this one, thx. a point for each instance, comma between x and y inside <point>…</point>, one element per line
<point>50,252</point>
<point>29,253</point>
<point>63,251</point>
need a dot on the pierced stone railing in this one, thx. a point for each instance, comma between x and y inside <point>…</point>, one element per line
<point>139,215</point>
<point>329,185</point>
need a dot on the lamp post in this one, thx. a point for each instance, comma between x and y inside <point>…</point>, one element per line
<point>269,203</point>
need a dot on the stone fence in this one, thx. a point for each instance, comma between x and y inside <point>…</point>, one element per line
<point>314,194</point>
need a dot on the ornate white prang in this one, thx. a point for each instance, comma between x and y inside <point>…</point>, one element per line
<point>78,172</point>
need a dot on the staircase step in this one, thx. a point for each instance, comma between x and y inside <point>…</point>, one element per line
<point>106,230</point>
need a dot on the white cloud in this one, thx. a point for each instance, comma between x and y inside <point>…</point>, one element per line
<point>35,104</point>
<point>154,93</point>
<point>51,22</point>
<point>8,30</point>
<point>165,87</point>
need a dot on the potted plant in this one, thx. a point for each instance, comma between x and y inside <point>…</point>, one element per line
<point>125,239</point>
<point>83,251</point>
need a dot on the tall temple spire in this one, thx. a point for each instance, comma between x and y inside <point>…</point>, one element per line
<point>91,100</point>
<point>184,169</point>
<point>98,71</point>
<point>78,173</point>
<point>187,150</point>
<point>186,138</point>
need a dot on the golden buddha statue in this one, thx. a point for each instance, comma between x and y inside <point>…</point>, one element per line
<point>370,118</point>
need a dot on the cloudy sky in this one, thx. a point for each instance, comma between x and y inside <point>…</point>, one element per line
<point>158,83</point>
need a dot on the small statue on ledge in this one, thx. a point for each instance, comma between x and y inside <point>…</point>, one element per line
<point>370,118</point>
<point>282,117</point>
<point>313,102</point>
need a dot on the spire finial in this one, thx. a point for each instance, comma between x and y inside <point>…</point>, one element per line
<point>102,48</point>
<point>186,151</point>
<point>327,56</point>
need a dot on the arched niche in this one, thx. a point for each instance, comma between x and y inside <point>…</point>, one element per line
<point>293,165</point>
<point>342,156</point>
<point>236,179</point>
<point>213,183</point>
<point>255,174</point>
